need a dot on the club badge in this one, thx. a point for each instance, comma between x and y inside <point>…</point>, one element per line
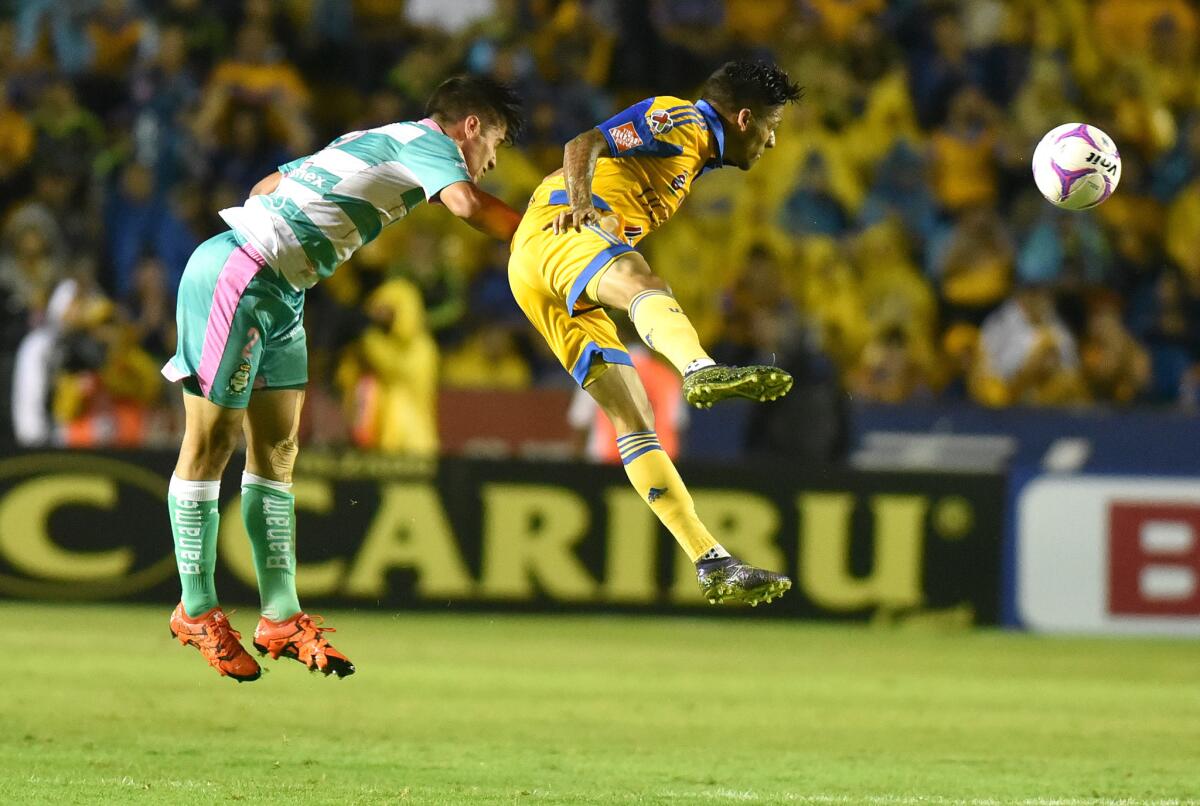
<point>239,381</point>
<point>659,121</point>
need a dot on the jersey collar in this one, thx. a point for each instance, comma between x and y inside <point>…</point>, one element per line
<point>430,123</point>
<point>718,129</point>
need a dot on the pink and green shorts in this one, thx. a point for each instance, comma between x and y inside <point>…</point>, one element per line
<point>240,326</point>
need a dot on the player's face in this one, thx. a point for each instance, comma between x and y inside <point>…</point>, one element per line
<point>480,146</point>
<point>754,134</point>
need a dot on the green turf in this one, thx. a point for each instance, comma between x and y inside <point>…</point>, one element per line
<point>100,706</point>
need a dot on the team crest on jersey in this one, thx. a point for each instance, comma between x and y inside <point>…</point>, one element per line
<point>625,137</point>
<point>239,381</point>
<point>659,121</point>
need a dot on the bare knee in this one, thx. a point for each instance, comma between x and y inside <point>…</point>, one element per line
<point>206,451</point>
<point>628,409</point>
<point>620,393</point>
<point>635,419</point>
<point>628,276</point>
<point>275,459</point>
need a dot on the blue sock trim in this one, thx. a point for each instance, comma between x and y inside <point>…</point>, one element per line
<point>637,300</point>
<point>630,447</point>
<point>627,459</point>
<point>610,355</point>
<point>602,259</point>
<point>624,437</point>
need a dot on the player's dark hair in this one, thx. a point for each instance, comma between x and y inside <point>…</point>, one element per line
<point>492,101</point>
<point>750,85</point>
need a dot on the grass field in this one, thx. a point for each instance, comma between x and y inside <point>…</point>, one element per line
<point>102,707</point>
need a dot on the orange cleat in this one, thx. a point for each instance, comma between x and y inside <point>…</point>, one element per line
<point>217,641</point>
<point>302,638</point>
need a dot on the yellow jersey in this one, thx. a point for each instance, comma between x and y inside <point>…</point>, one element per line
<point>657,148</point>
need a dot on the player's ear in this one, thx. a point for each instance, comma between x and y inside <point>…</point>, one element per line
<point>472,126</point>
<point>743,119</point>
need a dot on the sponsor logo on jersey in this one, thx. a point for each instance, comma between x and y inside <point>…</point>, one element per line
<point>311,177</point>
<point>632,231</point>
<point>680,181</point>
<point>659,121</point>
<point>656,493</point>
<point>625,136</point>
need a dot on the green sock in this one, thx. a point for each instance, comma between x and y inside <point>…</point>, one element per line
<point>269,512</point>
<point>194,519</point>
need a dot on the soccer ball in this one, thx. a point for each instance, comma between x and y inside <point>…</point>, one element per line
<point>1076,166</point>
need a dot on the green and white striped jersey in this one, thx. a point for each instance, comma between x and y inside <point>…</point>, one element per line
<point>332,202</point>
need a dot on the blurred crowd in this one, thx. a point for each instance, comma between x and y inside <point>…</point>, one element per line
<point>893,245</point>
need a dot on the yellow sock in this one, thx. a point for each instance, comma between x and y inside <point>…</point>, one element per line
<point>663,325</point>
<point>656,480</point>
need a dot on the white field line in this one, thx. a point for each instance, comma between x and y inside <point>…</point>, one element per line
<point>705,795</point>
<point>749,796</point>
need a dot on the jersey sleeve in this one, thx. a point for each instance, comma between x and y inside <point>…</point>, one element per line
<point>436,162</point>
<point>654,127</point>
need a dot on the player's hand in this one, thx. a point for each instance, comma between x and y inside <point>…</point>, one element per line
<point>574,218</point>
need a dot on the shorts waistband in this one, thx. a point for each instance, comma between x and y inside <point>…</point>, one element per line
<point>252,252</point>
<point>559,197</point>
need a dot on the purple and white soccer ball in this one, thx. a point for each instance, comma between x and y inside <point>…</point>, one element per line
<point>1076,166</point>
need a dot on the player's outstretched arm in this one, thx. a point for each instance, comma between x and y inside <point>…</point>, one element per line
<point>266,186</point>
<point>480,209</point>
<point>579,168</point>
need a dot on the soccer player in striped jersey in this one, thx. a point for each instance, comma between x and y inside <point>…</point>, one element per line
<point>242,356</point>
<point>574,255</point>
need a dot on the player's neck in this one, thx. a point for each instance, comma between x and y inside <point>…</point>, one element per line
<point>456,131</point>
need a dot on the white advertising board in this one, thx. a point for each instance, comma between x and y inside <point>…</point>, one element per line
<point>1109,554</point>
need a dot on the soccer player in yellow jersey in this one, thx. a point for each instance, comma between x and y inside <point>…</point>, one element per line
<point>573,255</point>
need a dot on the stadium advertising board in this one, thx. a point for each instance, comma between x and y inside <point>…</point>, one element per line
<point>532,535</point>
<point>1109,554</point>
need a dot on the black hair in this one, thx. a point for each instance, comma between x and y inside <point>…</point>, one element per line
<point>494,102</point>
<point>750,85</point>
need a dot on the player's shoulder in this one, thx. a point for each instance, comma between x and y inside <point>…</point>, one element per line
<point>417,140</point>
<point>659,126</point>
<point>671,102</point>
<point>411,131</point>
<point>675,119</point>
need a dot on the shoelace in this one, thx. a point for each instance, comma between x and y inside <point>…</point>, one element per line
<point>218,639</point>
<point>310,627</point>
